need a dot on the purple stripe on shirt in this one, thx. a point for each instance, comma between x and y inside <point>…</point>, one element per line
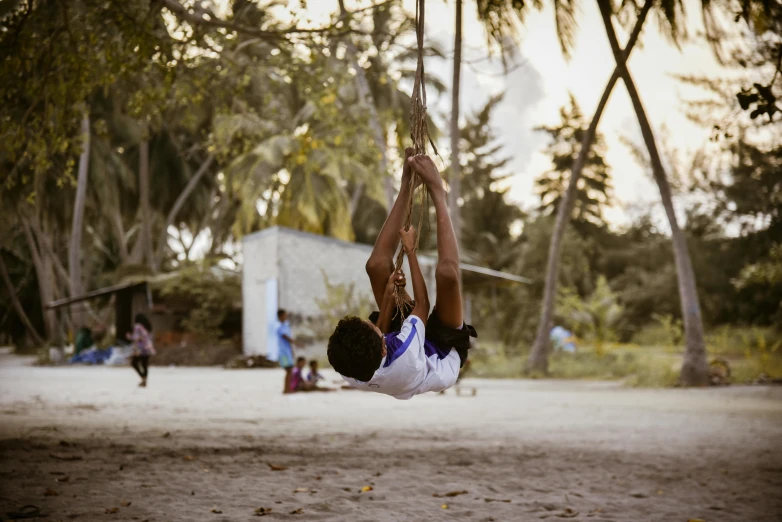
<point>395,347</point>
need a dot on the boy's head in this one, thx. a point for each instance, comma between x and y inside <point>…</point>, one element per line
<point>356,348</point>
<point>301,362</point>
<point>282,315</point>
<point>314,365</point>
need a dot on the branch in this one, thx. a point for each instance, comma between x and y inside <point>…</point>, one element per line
<point>184,13</point>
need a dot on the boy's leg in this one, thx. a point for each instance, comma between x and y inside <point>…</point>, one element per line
<point>449,294</point>
<point>381,262</point>
<point>286,387</point>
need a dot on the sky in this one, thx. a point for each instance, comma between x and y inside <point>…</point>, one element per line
<point>535,92</point>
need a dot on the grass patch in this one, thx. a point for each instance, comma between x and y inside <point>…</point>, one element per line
<point>642,366</point>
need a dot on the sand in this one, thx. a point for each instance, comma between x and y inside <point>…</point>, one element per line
<point>201,444</point>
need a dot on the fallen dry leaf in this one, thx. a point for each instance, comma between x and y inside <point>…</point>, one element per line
<point>301,490</point>
<point>444,506</point>
<point>111,510</point>
<point>660,492</point>
<point>297,511</point>
<point>275,467</point>
<point>125,503</point>
<point>50,493</point>
<point>188,457</point>
<point>166,434</point>
<point>262,512</point>
<point>568,513</point>
<point>217,511</point>
<point>66,458</point>
<point>367,488</point>
<point>56,473</point>
<point>450,494</point>
<point>63,479</point>
<point>497,500</point>
<point>696,520</point>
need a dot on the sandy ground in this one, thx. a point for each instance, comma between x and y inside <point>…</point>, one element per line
<point>199,444</point>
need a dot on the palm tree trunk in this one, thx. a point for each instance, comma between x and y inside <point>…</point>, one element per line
<point>695,369</point>
<point>365,95</point>
<point>74,248</point>
<point>178,204</point>
<point>44,277</point>
<point>538,357</point>
<point>455,180</point>
<point>143,189</point>
<point>20,313</point>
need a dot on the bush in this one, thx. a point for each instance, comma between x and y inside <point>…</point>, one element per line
<point>207,295</point>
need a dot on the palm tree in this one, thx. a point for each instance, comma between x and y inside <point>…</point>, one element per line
<point>74,247</point>
<point>695,369</point>
<point>538,357</point>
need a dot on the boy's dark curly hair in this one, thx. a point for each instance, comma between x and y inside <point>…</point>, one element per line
<point>355,349</point>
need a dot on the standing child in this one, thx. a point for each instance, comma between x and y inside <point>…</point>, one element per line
<point>285,348</point>
<point>403,357</point>
<point>143,348</point>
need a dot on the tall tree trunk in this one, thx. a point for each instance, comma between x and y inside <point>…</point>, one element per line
<point>695,370</point>
<point>146,217</point>
<point>74,248</point>
<point>455,180</point>
<point>44,277</point>
<point>538,357</point>
<point>178,204</point>
<point>365,95</point>
<point>20,313</point>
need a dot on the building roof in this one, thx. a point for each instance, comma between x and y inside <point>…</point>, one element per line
<point>95,293</point>
<point>315,237</point>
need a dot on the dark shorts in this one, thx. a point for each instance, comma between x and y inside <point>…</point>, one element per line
<point>438,333</point>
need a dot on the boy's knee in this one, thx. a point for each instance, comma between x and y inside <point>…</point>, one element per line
<point>447,273</point>
<point>378,266</point>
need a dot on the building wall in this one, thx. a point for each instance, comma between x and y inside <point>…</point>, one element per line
<point>260,275</point>
<point>303,262</point>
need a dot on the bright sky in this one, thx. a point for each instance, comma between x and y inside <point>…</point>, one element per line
<point>536,91</point>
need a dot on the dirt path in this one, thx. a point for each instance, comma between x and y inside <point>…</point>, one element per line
<point>198,445</point>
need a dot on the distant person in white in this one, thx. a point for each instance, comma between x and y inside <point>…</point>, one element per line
<point>405,356</point>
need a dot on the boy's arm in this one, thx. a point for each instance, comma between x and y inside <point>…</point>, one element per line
<point>388,305</point>
<point>421,309</point>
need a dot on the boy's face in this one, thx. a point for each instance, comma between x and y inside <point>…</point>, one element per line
<point>314,366</point>
<point>377,330</point>
<point>301,364</point>
<point>283,317</point>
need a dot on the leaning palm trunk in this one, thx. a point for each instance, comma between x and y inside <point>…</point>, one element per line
<point>146,217</point>
<point>455,180</point>
<point>367,100</point>
<point>178,204</point>
<point>538,358</point>
<point>74,247</point>
<point>695,370</point>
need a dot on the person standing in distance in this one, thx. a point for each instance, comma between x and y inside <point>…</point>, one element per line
<point>285,343</point>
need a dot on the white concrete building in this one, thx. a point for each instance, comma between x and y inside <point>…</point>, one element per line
<point>285,268</point>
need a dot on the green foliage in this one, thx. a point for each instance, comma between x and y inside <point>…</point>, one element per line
<point>209,295</point>
<point>593,318</point>
<point>341,300</point>
<point>763,273</point>
<point>595,191</point>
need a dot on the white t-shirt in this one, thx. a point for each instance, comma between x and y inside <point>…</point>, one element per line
<point>412,365</point>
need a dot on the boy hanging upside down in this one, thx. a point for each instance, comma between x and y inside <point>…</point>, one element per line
<point>403,357</point>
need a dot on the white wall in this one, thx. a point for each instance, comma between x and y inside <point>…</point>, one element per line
<point>259,292</point>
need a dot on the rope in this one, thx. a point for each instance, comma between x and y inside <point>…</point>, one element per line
<point>419,133</point>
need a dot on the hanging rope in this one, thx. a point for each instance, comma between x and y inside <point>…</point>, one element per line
<point>419,133</point>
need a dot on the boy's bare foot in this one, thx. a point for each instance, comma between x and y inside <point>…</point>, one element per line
<point>427,170</point>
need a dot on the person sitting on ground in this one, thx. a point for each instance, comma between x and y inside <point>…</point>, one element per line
<point>299,383</point>
<point>314,376</point>
<point>397,356</point>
